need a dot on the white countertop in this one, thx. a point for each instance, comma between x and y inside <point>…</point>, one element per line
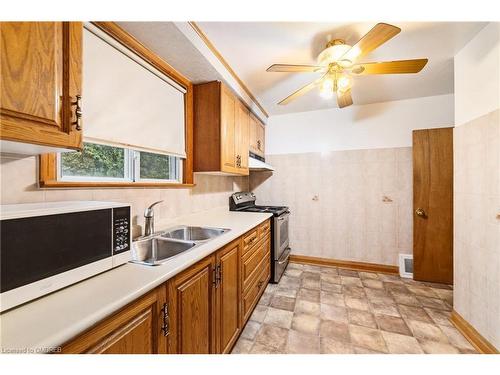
<point>54,319</point>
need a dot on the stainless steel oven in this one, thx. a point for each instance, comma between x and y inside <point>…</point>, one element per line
<point>281,248</point>
<point>280,245</point>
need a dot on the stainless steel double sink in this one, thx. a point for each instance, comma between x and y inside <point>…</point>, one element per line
<point>158,248</point>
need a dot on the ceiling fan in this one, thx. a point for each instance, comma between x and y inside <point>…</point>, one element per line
<point>338,62</point>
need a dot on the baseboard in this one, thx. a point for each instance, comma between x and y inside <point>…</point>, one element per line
<point>474,337</point>
<point>358,266</point>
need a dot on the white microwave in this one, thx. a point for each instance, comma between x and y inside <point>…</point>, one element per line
<point>48,246</point>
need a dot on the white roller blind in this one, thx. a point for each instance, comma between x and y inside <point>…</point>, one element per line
<point>128,102</point>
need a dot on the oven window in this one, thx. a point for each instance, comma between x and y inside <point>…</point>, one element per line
<point>39,247</point>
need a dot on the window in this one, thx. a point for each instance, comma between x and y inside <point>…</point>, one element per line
<point>98,162</point>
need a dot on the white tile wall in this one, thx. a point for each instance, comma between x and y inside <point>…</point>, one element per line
<point>476,227</point>
<point>18,175</point>
<point>349,221</point>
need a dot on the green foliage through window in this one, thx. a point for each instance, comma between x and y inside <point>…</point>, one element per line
<point>94,160</point>
<point>155,166</point>
<point>103,162</point>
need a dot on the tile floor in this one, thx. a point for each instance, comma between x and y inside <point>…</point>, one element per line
<point>337,311</point>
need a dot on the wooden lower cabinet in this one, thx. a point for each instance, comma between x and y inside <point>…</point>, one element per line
<point>228,297</point>
<point>136,329</point>
<point>191,305</point>
<point>202,310</point>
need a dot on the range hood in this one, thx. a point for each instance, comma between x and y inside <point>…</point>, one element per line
<point>256,163</point>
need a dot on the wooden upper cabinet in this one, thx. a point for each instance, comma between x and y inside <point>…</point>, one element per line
<point>257,136</point>
<point>136,329</point>
<point>261,139</point>
<point>191,305</point>
<point>228,129</point>
<point>228,297</point>
<point>221,130</point>
<point>242,129</point>
<point>40,80</point>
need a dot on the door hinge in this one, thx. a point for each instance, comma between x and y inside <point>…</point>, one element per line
<point>166,320</point>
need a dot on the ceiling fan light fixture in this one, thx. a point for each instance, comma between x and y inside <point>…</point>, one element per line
<point>332,54</point>
<point>339,64</point>
<point>327,89</point>
<point>344,83</point>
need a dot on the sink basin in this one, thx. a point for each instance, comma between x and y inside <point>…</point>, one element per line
<point>187,233</point>
<point>156,250</point>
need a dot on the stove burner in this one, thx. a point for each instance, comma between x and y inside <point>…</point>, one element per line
<point>245,202</point>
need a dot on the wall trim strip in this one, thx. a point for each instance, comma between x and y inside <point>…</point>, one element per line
<point>221,58</point>
<point>472,335</point>
<point>358,266</point>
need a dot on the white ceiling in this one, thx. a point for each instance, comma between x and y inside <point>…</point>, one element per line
<point>250,47</point>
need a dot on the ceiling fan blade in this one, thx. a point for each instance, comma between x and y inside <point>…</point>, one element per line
<point>344,99</point>
<point>293,68</point>
<point>377,36</point>
<point>301,91</point>
<point>390,67</point>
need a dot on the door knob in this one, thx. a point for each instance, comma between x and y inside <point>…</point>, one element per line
<point>420,212</point>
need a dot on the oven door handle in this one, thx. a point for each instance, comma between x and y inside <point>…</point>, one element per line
<point>286,255</point>
<point>284,216</point>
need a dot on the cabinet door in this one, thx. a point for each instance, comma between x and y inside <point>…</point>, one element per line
<point>253,134</point>
<point>228,131</point>
<point>191,305</point>
<point>137,329</point>
<point>261,139</point>
<point>242,130</point>
<point>228,297</point>
<point>41,77</point>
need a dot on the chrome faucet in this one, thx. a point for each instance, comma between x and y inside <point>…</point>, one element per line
<point>149,216</point>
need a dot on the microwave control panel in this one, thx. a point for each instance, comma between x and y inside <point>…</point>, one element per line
<point>121,229</point>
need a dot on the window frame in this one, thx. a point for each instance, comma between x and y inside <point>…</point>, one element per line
<point>48,163</point>
<point>131,167</point>
<point>128,173</point>
<point>137,169</point>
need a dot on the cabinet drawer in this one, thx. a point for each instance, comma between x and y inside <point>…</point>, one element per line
<point>251,264</point>
<point>264,228</point>
<point>252,295</point>
<point>249,240</point>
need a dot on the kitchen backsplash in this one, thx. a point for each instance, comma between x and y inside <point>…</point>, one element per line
<point>19,176</point>
<point>347,205</point>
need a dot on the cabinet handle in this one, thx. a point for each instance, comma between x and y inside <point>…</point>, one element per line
<point>258,145</point>
<point>214,277</point>
<point>166,320</point>
<point>219,271</point>
<point>78,113</point>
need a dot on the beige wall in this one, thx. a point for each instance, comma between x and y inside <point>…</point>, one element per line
<point>477,229</point>
<point>349,221</point>
<point>19,175</point>
<point>477,183</point>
